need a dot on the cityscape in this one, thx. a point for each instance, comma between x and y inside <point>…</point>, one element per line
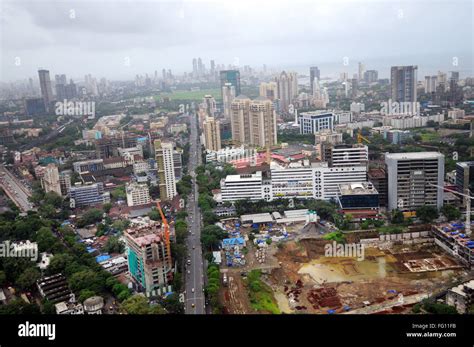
<point>202,181</point>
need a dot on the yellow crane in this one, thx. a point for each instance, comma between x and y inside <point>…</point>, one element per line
<point>361,138</point>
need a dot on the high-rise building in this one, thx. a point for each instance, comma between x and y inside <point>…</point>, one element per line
<point>232,77</point>
<point>228,95</point>
<point>361,71</point>
<point>46,90</point>
<point>210,105</point>
<point>253,122</point>
<point>65,181</point>
<point>165,165</point>
<point>137,194</point>
<point>403,81</point>
<point>465,178</point>
<point>414,180</point>
<point>50,179</point>
<point>149,260</point>
<point>314,73</point>
<point>212,134</point>
<point>354,88</point>
<point>268,90</point>
<point>287,89</point>
<point>371,76</point>
<point>430,84</point>
<point>35,106</point>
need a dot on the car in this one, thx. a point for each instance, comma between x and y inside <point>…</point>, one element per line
<point>192,290</point>
<point>194,247</point>
<point>192,305</point>
<point>188,262</point>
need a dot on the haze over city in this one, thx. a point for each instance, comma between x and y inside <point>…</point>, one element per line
<point>77,37</point>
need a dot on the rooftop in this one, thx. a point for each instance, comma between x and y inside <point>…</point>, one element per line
<point>357,188</point>
<point>414,155</point>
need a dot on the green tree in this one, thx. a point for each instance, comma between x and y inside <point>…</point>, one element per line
<point>397,217</point>
<point>46,240</point>
<point>107,207</point>
<point>427,213</point>
<point>451,212</point>
<point>138,304</point>
<point>28,278</point>
<point>114,245</point>
<point>53,199</point>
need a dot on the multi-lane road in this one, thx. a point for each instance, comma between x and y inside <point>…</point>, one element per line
<point>194,279</point>
<point>15,190</point>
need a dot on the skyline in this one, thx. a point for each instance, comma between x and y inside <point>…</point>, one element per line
<point>156,39</point>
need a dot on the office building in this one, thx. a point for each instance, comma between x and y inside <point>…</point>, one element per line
<point>465,178</point>
<point>137,194</point>
<point>431,83</point>
<point>243,187</point>
<point>315,121</point>
<point>297,180</point>
<point>165,166</point>
<point>403,81</point>
<point>360,200</point>
<point>347,155</point>
<point>415,179</point>
<point>50,180</point>
<point>149,259</point>
<point>88,194</point>
<point>46,90</point>
<point>212,134</point>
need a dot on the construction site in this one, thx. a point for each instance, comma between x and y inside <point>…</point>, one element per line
<point>295,275</point>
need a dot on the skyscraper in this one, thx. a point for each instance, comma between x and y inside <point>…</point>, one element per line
<point>232,77</point>
<point>268,90</point>
<point>46,90</point>
<point>403,81</point>
<point>228,95</point>
<point>313,74</point>
<point>287,88</point>
<point>212,134</point>
<point>165,165</point>
<point>361,71</point>
<point>253,122</point>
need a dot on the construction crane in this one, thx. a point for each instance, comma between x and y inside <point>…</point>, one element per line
<point>467,200</point>
<point>166,230</point>
<point>360,138</point>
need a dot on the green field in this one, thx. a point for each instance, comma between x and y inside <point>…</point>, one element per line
<point>197,95</point>
<point>260,294</point>
<point>429,137</point>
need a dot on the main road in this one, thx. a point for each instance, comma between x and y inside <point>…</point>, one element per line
<point>15,190</point>
<point>194,279</point>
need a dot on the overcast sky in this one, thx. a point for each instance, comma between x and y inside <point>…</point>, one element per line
<point>99,37</point>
